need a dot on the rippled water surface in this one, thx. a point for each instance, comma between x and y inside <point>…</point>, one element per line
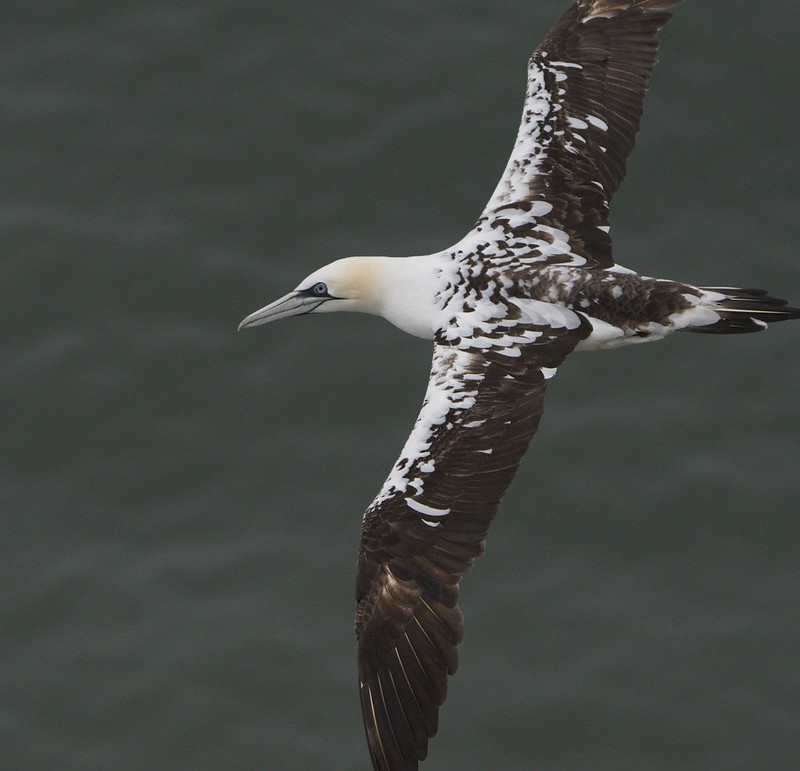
<point>181,504</point>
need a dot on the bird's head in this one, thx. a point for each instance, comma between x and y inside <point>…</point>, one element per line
<point>349,284</point>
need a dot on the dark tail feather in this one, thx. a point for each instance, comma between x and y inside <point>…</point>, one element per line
<point>744,310</point>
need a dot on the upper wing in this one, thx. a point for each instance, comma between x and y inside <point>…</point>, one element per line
<point>428,524</point>
<point>586,86</point>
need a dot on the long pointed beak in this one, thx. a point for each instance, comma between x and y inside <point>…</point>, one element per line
<point>292,304</point>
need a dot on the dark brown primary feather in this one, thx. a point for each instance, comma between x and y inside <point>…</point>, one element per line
<point>616,48</point>
<point>574,157</point>
<point>408,624</point>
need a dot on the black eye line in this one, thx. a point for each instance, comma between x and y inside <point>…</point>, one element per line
<point>311,293</point>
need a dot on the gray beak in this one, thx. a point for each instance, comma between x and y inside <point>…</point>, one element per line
<point>292,304</point>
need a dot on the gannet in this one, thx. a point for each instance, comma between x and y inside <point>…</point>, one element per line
<point>533,281</point>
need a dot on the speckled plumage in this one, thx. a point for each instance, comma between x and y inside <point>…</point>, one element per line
<point>531,282</point>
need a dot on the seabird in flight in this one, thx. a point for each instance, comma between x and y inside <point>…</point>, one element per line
<point>533,281</point>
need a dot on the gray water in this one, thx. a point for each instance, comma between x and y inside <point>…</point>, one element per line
<point>181,504</point>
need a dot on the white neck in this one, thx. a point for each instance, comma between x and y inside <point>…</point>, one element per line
<point>404,292</point>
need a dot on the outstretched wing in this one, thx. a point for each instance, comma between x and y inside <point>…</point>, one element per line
<point>586,86</point>
<point>429,522</point>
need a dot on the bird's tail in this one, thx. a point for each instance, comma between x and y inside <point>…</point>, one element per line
<point>742,310</point>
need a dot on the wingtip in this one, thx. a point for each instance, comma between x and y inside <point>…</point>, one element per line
<point>609,9</point>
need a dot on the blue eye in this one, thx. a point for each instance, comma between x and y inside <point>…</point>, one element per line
<point>319,290</point>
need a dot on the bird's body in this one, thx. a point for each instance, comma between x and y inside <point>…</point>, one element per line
<point>531,282</point>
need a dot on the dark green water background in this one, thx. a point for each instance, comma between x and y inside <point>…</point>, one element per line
<point>181,504</point>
